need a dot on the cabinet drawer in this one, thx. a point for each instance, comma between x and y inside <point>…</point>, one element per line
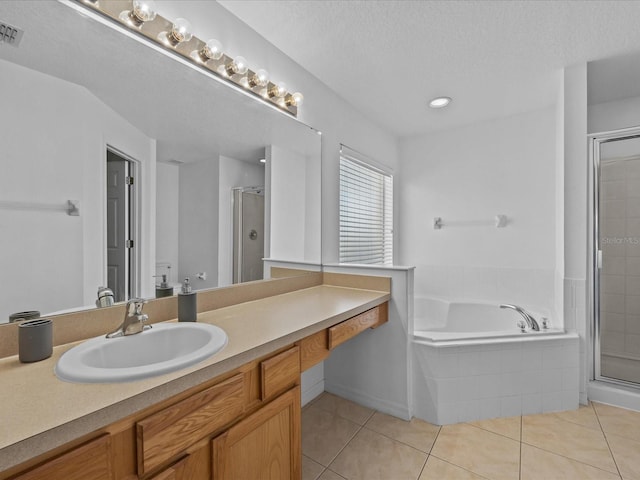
<point>313,350</point>
<point>91,460</point>
<point>171,431</point>
<point>342,332</point>
<point>280,372</point>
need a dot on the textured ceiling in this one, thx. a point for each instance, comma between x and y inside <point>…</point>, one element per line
<point>495,58</point>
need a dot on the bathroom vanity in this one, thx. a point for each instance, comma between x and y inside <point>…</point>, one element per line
<point>234,415</point>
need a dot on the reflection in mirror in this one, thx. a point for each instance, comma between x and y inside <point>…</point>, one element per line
<point>192,140</point>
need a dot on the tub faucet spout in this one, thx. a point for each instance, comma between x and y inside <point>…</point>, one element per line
<point>531,322</point>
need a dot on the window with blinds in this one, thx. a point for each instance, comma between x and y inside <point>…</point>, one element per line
<point>366,212</point>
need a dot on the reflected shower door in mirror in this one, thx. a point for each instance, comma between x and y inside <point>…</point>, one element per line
<point>617,269</point>
<point>74,96</point>
<point>248,233</point>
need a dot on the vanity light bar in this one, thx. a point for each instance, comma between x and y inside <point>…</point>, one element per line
<point>167,34</point>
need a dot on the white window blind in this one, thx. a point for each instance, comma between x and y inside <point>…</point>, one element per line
<point>366,211</point>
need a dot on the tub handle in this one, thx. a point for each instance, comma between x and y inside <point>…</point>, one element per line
<point>522,325</point>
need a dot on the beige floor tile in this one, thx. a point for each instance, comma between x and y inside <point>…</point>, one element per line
<point>619,421</point>
<point>626,453</point>
<point>585,415</point>
<point>310,470</point>
<point>345,408</point>
<point>437,469</point>
<point>509,426</point>
<point>372,456</point>
<point>485,453</point>
<point>568,439</point>
<point>329,475</point>
<point>542,465</point>
<point>416,433</point>
<point>324,434</point>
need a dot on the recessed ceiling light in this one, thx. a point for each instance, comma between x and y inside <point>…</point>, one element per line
<point>440,102</point>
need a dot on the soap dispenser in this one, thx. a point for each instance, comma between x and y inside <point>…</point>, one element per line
<point>187,308</point>
<point>163,290</point>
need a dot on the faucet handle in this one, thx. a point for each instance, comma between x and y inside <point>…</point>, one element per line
<point>135,305</point>
<point>522,325</point>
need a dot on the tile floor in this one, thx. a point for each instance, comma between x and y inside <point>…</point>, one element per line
<point>343,440</point>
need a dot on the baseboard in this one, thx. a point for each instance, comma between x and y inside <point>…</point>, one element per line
<point>583,398</point>
<point>616,395</point>
<point>312,392</point>
<point>391,408</point>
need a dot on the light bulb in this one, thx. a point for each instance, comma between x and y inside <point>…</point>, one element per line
<point>237,66</point>
<point>279,90</point>
<point>296,99</point>
<point>180,32</point>
<point>259,79</point>
<point>212,50</point>
<point>142,11</point>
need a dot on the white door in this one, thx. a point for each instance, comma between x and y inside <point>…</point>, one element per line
<point>118,238</point>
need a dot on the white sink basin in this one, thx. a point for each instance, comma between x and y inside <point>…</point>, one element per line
<point>165,348</point>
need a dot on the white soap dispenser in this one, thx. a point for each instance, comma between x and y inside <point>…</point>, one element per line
<point>187,306</point>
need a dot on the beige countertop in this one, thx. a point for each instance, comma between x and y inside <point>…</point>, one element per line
<point>39,412</point>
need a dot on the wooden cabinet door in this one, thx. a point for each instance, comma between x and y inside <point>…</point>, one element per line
<point>264,446</point>
<point>195,466</point>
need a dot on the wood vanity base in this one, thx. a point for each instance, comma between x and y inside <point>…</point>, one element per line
<point>243,424</point>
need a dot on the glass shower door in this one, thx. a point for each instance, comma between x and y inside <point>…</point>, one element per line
<point>617,243</point>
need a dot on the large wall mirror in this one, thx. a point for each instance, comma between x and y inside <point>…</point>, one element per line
<point>155,157</point>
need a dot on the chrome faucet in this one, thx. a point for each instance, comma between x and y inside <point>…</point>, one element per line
<point>531,322</point>
<point>133,319</point>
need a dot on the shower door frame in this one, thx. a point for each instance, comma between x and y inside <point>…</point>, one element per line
<point>595,141</point>
<point>237,250</point>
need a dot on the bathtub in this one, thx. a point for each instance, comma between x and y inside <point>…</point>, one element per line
<point>441,321</point>
<point>470,362</point>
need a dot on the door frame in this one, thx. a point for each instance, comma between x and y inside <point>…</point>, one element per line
<point>134,227</point>
<point>595,141</point>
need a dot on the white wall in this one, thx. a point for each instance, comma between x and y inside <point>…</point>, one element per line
<point>575,191</point>
<point>504,166</point>
<point>51,153</point>
<point>198,222</point>
<point>559,200</point>
<point>604,117</point>
<point>167,208</point>
<point>233,173</point>
<point>286,202</point>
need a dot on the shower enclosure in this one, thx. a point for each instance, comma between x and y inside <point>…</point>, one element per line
<point>248,233</point>
<point>616,256</point>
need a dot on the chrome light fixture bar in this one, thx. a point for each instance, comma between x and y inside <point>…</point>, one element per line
<point>139,17</point>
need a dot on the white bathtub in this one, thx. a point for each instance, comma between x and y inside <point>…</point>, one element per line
<point>440,321</point>
<point>471,362</point>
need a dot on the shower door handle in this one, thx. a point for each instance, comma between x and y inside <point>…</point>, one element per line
<point>599,259</point>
